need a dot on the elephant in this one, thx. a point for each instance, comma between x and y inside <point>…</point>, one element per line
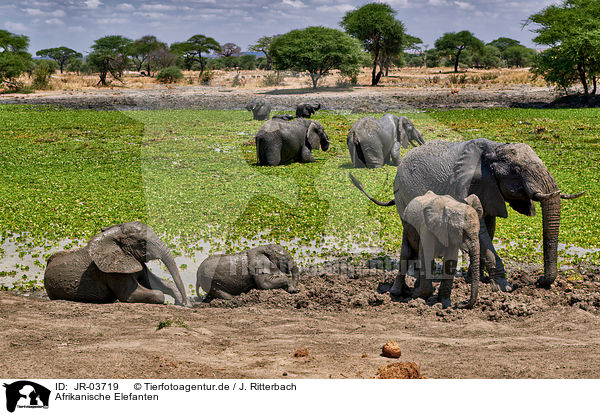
<point>260,107</point>
<point>280,141</point>
<point>284,117</point>
<point>497,173</point>
<point>112,267</point>
<point>437,226</point>
<point>266,267</point>
<point>373,142</point>
<point>305,110</point>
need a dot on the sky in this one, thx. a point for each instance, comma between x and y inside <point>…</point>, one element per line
<point>77,23</point>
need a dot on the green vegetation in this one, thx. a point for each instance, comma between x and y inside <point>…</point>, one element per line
<point>109,55</point>
<point>170,322</point>
<point>169,75</point>
<point>191,175</point>
<point>60,55</point>
<point>14,59</point>
<point>455,43</point>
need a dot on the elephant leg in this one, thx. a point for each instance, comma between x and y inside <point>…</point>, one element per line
<point>271,280</point>
<point>216,293</point>
<point>128,290</point>
<point>395,154</point>
<point>426,251</point>
<point>165,286</point>
<point>490,259</point>
<point>306,156</point>
<point>400,288</point>
<point>450,261</point>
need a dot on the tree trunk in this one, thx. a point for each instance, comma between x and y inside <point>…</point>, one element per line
<point>456,60</point>
<point>583,78</point>
<point>315,79</point>
<point>594,85</point>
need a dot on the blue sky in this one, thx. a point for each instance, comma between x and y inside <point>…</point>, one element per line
<point>77,23</point>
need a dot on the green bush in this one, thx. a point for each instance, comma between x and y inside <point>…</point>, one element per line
<point>169,75</point>
<point>206,77</point>
<point>41,75</point>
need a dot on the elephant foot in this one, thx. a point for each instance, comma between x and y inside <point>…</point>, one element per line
<point>423,291</point>
<point>501,284</point>
<point>445,302</point>
<point>400,289</point>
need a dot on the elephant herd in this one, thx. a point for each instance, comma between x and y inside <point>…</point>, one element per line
<point>448,195</point>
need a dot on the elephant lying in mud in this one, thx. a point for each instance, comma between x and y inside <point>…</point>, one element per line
<point>373,142</point>
<point>437,226</point>
<point>498,174</point>
<point>265,267</point>
<point>305,110</point>
<point>279,141</point>
<point>112,267</point>
<point>260,107</point>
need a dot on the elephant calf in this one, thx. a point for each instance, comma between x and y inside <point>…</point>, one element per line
<point>280,141</point>
<point>437,226</point>
<point>373,142</point>
<point>305,110</point>
<point>265,267</point>
<point>112,267</point>
<point>260,107</point>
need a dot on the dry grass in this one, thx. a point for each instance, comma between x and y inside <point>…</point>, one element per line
<point>257,79</point>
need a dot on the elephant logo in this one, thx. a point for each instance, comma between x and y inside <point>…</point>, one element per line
<point>26,394</point>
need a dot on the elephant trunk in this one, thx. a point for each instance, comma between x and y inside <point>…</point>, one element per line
<point>551,223</point>
<point>161,251</point>
<point>293,285</point>
<point>473,247</point>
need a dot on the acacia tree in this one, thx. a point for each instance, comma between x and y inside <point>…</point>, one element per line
<point>262,45</point>
<point>14,59</point>
<point>455,43</point>
<point>317,50</point>
<point>61,55</point>
<point>381,34</point>
<point>230,49</point>
<point>109,55</point>
<point>141,51</point>
<point>194,47</point>
<point>572,30</point>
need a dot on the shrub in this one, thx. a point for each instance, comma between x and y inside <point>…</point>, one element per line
<point>272,79</point>
<point>169,75</point>
<point>41,75</point>
<point>206,77</point>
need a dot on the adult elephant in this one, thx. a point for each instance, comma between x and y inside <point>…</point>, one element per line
<point>260,107</point>
<point>305,110</point>
<point>373,142</point>
<point>497,173</point>
<point>265,267</point>
<point>112,267</point>
<point>280,141</point>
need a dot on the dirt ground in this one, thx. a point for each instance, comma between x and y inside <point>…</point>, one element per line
<point>336,326</point>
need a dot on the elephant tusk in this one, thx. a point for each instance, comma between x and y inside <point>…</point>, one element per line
<point>573,196</point>
<point>544,196</point>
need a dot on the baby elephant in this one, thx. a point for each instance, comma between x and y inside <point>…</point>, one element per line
<point>265,267</point>
<point>437,226</point>
<point>305,110</point>
<point>260,108</point>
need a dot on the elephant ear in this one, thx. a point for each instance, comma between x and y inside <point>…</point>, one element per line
<point>401,133</point>
<point>312,136</point>
<point>454,215</point>
<point>472,174</point>
<point>435,221</point>
<point>105,250</point>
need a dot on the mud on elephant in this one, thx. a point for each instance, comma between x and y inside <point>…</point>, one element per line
<point>112,267</point>
<point>265,267</point>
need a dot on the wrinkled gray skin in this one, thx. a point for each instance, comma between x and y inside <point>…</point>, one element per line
<point>112,267</point>
<point>437,226</point>
<point>373,142</point>
<point>305,110</point>
<point>265,267</point>
<point>497,173</point>
<point>260,107</point>
<point>279,141</point>
<point>284,117</point>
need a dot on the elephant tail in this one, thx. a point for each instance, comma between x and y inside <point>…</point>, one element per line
<point>359,186</point>
<point>357,154</point>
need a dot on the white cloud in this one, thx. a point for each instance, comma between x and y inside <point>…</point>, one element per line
<point>158,7</point>
<point>76,29</point>
<point>151,15</point>
<point>55,22</point>
<point>112,20</point>
<point>125,7</point>
<point>339,8</point>
<point>296,4</point>
<point>34,12</point>
<point>463,5</point>
<point>92,4</point>
<point>15,27</point>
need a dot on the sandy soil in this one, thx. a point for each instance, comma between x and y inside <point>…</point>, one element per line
<point>343,322</point>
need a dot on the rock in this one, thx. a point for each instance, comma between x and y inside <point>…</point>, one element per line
<point>400,370</point>
<point>391,349</point>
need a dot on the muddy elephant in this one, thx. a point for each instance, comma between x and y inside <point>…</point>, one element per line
<point>374,142</point>
<point>498,174</point>
<point>305,110</point>
<point>260,107</point>
<point>279,141</point>
<point>112,266</point>
<point>265,267</point>
<point>437,226</point>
